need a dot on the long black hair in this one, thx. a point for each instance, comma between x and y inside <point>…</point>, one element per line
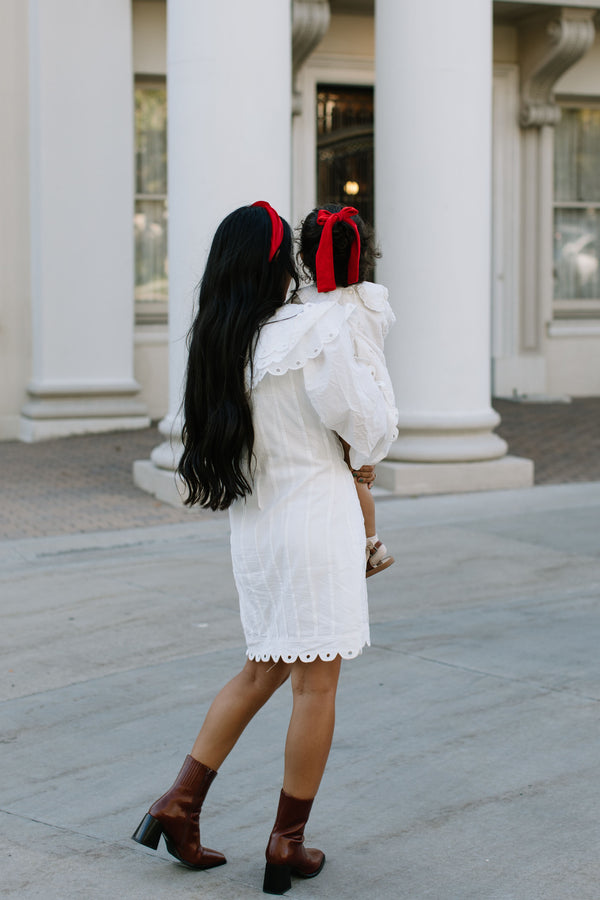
<point>239,291</point>
<point>342,239</point>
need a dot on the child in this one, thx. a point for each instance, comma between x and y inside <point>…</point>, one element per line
<point>337,250</point>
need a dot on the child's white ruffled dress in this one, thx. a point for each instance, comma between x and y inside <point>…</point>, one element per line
<point>298,540</point>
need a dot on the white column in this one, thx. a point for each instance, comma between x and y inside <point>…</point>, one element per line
<point>81,207</point>
<point>433,187</point>
<point>229,114</point>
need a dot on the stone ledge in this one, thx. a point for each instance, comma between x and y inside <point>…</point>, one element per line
<point>32,430</point>
<point>417,479</point>
<point>161,483</point>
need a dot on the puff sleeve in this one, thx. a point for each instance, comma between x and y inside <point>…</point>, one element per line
<point>349,401</point>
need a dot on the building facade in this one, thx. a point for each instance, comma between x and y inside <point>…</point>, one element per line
<point>477,156</point>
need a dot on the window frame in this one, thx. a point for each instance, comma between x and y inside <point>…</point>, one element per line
<point>576,308</point>
<point>149,312</point>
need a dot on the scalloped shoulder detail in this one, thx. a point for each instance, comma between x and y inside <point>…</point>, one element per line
<point>374,296</point>
<point>296,333</point>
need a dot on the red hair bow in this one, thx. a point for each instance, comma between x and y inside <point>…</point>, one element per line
<point>324,258</point>
<point>276,227</point>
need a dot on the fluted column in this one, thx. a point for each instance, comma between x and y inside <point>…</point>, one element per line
<point>433,190</point>
<point>81,212</point>
<point>229,122</point>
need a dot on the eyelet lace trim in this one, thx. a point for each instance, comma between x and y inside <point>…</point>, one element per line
<point>310,327</point>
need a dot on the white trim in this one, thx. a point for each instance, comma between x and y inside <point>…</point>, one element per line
<point>150,338</point>
<point>346,65</point>
<point>587,4</point>
<point>565,328</point>
<point>81,387</point>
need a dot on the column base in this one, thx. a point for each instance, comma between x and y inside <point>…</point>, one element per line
<point>55,412</point>
<point>32,431</point>
<point>416,479</point>
<point>163,484</point>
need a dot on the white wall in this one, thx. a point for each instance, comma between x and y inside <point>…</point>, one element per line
<point>348,35</point>
<point>15,305</point>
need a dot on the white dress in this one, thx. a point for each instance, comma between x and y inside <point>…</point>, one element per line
<point>298,540</point>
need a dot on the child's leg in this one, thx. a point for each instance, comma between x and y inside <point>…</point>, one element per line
<point>378,557</point>
<point>367,505</point>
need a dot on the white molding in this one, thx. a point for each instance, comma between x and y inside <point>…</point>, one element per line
<point>549,44</point>
<point>563,328</point>
<point>144,338</point>
<point>310,21</point>
<point>347,65</point>
<point>81,388</point>
<point>587,4</point>
<point>33,430</point>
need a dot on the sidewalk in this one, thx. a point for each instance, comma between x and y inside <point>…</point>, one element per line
<point>81,484</point>
<point>465,760</point>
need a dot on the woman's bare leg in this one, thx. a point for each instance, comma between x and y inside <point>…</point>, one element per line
<point>233,708</point>
<point>310,732</point>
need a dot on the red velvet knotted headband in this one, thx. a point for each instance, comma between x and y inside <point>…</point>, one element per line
<point>324,258</point>
<point>276,227</point>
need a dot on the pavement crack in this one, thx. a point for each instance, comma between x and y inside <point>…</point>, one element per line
<point>485,673</point>
<point>65,829</point>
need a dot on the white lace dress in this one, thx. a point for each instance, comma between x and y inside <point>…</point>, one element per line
<point>298,540</point>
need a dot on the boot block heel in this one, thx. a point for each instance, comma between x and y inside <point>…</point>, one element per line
<point>148,832</point>
<point>277,879</point>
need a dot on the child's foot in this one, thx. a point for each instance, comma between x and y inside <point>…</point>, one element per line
<point>378,557</point>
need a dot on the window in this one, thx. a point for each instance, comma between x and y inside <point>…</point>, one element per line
<point>345,147</point>
<point>150,219</point>
<point>577,212</point>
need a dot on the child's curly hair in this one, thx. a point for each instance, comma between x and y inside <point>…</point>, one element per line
<point>343,237</point>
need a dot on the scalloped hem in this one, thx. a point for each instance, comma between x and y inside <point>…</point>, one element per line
<point>327,655</point>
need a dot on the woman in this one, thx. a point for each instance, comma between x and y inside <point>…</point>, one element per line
<point>271,388</point>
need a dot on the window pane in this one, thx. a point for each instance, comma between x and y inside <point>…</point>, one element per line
<point>577,156</point>
<point>151,139</point>
<point>151,266</point>
<point>345,147</point>
<point>150,220</point>
<point>576,254</point>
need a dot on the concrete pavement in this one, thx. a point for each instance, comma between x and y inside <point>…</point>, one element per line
<point>465,763</point>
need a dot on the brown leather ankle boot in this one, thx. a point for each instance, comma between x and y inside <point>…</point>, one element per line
<point>286,853</point>
<point>176,816</point>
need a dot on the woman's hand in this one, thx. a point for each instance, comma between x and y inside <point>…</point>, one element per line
<point>365,475</point>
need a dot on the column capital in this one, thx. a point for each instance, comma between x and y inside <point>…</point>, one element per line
<point>310,21</point>
<point>549,44</point>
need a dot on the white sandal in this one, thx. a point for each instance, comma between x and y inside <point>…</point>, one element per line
<point>378,558</point>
